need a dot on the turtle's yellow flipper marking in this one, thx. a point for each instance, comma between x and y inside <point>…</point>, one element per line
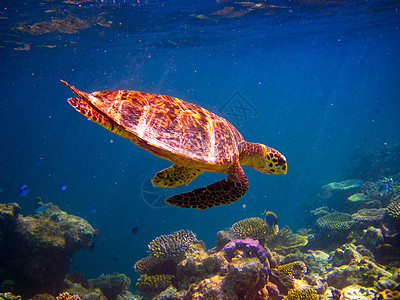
<point>175,175</point>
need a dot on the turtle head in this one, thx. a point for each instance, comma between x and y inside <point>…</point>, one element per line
<point>263,158</point>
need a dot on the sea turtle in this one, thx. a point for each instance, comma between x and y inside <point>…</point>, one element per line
<point>194,139</point>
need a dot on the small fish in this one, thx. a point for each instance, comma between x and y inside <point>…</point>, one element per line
<point>63,187</point>
<point>40,209</point>
<point>93,209</point>
<point>115,259</point>
<point>92,245</point>
<point>23,192</point>
<point>23,186</point>
<point>384,189</point>
<point>135,229</point>
<point>270,218</point>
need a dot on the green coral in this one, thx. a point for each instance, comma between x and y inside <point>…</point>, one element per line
<point>111,285</point>
<point>285,239</point>
<point>302,294</point>
<point>295,269</point>
<point>154,283</point>
<point>171,245</point>
<point>336,220</point>
<point>254,228</point>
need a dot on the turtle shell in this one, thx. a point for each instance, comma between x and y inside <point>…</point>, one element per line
<point>172,125</point>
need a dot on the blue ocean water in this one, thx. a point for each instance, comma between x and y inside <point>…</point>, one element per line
<point>318,80</point>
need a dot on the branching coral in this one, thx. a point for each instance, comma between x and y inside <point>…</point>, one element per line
<point>336,220</point>
<point>296,269</point>
<point>154,283</point>
<point>254,228</point>
<point>171,245</point>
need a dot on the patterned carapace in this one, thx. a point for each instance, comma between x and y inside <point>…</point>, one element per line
<point>195,139</point>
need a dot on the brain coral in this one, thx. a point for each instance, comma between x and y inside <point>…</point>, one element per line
<point>171,245</point>
<point>254,228</point>
<point>295,269</point>
<point>336,220</point>
<point>302,294</point>
<point>154,283</point>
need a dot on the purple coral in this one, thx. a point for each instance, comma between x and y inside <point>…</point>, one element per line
<point>250,246</point>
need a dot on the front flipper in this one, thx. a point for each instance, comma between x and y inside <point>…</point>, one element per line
<point>174,176</point>
<point>222,192</point>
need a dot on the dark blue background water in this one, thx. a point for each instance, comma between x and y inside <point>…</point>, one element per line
<point>323,77</point>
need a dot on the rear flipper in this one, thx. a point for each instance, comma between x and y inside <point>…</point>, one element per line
<point>222,192</point>
<point>175,175</point>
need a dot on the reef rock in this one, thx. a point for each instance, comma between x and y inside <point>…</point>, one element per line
<point>37,250</point>
<point>354,265</point>
<point>356,292</point>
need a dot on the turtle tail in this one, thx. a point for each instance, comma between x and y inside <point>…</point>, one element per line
<point>82,95</point>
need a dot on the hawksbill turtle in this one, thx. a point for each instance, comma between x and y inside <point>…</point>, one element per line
<point>194,139</point>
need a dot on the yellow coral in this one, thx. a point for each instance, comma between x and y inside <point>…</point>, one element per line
<point>9,296</point>
<point>302,294</point>
<point>388,295</point>
<point>171,245</point>
<point>154,283</point>
<point>336,220</point>
<point>67,296</point>
<point>393,210</point>
<point>254,228</point>
<point>295,269</point>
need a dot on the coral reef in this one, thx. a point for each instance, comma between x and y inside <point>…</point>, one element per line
<point>356,292</point>
<point>254,228</point>
<point>375,164</point>
<point>393,211</point>
<point>9,296</point>
<point>154,283</point>
<point>171,245</point>
<point>286,241</point>
<point>302,294</point>
<point>238,271</point>
<point>354,265</point>
<point>111,285</point>
<point>296,269</point>
<point>336,220</point>
<point>372,215</point>
<point>343,185</point>
<point>52,236</point>
<point>388,295</point>
<point>67,296</point>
